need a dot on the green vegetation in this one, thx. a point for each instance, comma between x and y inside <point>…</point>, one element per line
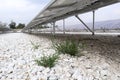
<point>12,25</point>
<point>67,47</point>
<point>20,26</point>
<point>35,46</point>
<point>47,61</point>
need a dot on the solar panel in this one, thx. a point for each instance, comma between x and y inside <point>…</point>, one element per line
<point>60,9</point>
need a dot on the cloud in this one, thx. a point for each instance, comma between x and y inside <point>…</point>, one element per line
<point>16,5</point>
<point>108,13</point>
<point>13,3</point>
<point>19,10</point>
<point>25,10</point>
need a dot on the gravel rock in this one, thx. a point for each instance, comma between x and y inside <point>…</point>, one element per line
<point>101,61</point>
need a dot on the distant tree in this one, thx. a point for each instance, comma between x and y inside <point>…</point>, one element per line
<point>12,25</point>
<point>20,26</point>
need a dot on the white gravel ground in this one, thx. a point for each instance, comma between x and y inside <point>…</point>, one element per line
<point>17,61</point>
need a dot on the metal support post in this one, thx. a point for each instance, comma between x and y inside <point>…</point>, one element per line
<point>38,28</point>
<point>53,28</point>
<point>51,25</point>
<point>93,33</point>
<point>83,23</point>
<point>63,26</point>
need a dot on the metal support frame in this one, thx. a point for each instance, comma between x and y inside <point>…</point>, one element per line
<point>53,28</point>
<point>83,23</point>
<point>29,31</point>
<point>63,26</point>
<point>37,28</point>
<point>93,23</point>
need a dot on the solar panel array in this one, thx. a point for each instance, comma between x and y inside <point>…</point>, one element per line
<point>60,9</point>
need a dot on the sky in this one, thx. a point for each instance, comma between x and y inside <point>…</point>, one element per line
<point>23,11</point>
<point>20,11</point>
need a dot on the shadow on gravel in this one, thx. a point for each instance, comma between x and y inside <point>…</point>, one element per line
<point>108,47</point>
<point>107,50</point>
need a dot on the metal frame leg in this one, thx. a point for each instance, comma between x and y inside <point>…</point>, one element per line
<point>53,28</point>
<point>93,33</point>
<point>63,26</point>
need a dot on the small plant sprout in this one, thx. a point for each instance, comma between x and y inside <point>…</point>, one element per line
<point>35,46</point>
<point>47,61</point>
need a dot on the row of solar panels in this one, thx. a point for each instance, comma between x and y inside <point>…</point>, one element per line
<point>60,9</point>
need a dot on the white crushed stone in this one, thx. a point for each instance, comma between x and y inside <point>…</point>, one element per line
<point>17,62</point>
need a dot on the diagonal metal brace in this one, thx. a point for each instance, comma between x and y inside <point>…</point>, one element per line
<point>83,23</point>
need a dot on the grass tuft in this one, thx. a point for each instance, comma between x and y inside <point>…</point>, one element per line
<point>47,61</point>
<point>67,47</point>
